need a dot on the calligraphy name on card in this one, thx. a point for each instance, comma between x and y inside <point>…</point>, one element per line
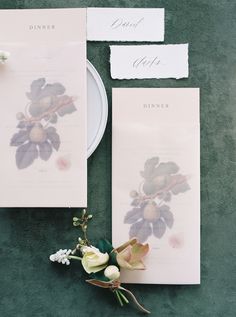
<point>149,61</point>
<point>125,24</point>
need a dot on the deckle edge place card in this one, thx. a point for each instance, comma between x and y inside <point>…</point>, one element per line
<point>125,24</point>
<point>156,180</point>
<point>43,132</point>
<point>149,61</point>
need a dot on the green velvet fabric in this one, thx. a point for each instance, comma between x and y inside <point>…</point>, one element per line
<point>31,286</point>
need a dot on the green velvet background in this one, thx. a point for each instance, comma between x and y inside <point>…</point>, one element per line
<point>30,286</point>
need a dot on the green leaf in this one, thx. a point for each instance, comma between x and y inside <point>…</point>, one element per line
<point>104,246</point>
<point>100,276</point>
<point>112,259</point>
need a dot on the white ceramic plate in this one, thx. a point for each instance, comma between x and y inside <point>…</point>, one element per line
<point>97,108</point>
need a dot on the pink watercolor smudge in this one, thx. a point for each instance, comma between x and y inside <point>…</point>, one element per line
<point>63,163</point>
<point>176,241</point>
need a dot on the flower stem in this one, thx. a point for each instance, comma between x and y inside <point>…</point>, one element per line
<point>119,298</point>
<point>141,308</point>
<point>124,297</point>
<point>74,257</point>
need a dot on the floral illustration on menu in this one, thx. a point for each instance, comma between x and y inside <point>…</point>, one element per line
<point>151,213</point>
<point>37,136</point>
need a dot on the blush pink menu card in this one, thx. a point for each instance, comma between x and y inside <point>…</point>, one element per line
<point>156,180</point>
<point>43,96</point>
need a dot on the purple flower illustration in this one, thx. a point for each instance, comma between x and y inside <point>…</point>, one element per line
<point>37,137</point>
<point>150,213</point>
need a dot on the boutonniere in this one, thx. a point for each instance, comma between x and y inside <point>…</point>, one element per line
<point>103,262</point>
<point>4,56</point>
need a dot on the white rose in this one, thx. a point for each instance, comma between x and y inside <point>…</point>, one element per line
<point>112,272</point>
<point>93,260</point>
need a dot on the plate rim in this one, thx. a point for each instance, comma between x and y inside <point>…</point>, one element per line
<point>104,117</point>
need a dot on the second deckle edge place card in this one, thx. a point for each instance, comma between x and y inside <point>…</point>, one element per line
<point>149,61</point>
<point>125,24</point>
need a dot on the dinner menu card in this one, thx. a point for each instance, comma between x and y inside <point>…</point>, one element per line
<point>43,108</point>
<point>156,180</point>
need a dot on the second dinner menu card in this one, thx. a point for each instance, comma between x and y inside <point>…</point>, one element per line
<point>43,108</point>
<point>156,180</point>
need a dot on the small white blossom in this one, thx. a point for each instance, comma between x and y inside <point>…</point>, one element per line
<point>61,256</point>
<point>3,56</point>
<point>112,272</point>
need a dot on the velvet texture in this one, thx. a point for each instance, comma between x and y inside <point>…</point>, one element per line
<point>31,286</point>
